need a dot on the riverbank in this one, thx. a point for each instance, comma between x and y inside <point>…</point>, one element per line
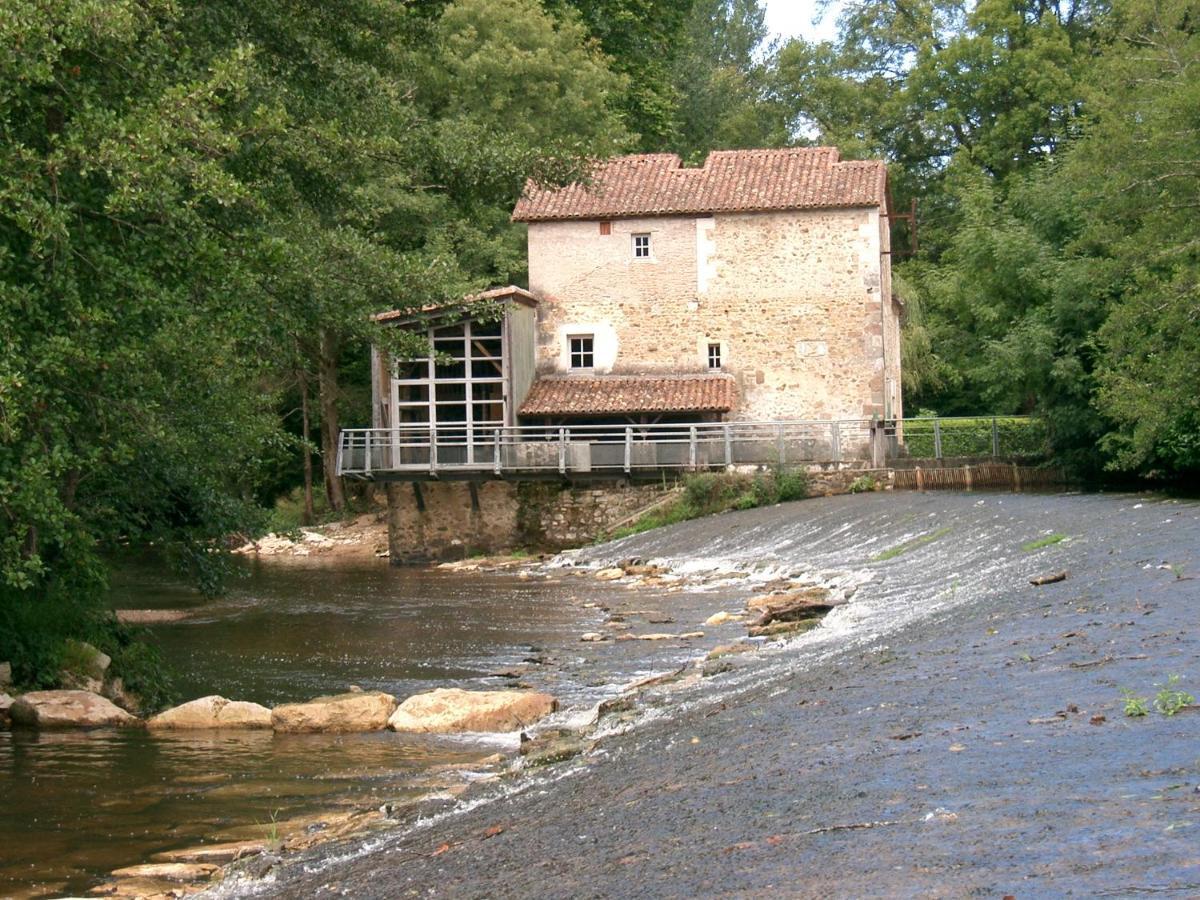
<point>954,729</point>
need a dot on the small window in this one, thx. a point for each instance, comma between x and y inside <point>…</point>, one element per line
<point>606,228</point>
<point>582,351</point>
<point>714,356</point>
<point>641,246</point>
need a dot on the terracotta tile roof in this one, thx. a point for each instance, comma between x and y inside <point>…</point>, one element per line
<point>657,184</point>
<point>577,395</point>
<point>520,295</point>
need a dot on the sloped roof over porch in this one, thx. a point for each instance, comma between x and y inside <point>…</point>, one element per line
<point>578,395</point>
<point>462,308</point>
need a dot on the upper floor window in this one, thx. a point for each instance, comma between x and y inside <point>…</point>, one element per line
<point>641,246</point>
<point>714,356</point>
<point>583,354</point>
<point>605,228</point>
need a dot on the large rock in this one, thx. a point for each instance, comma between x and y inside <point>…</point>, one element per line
<point>359,711</point>
<point>86,660</point>
<point>6,703</point>
<point>452,710</point>
<point>68,709</point>
<point>793,606</point>
<point>212,712</point>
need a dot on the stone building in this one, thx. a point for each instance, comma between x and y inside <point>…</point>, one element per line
<point>754,287</point>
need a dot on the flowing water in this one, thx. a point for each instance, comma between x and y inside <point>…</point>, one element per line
<point>76,806</point>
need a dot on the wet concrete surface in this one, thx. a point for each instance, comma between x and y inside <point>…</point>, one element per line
<point>939,736</point>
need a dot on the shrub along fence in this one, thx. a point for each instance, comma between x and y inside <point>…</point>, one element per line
<point>1004,437</point>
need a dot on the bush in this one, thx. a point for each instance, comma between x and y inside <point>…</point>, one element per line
<point>1018,437</point>
<point>713,492</point>
<point>863,484</point>
<point>39,637</point>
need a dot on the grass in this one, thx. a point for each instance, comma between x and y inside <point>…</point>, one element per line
<point>1170,699</point>
<point>1134,706</point>
<point>911,545</point>
<point>713,492</point>
<point>1041,542</point>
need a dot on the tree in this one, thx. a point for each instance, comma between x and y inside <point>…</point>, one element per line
<point>722,76</point>
<point>198,202</point>
<point>641,38</point>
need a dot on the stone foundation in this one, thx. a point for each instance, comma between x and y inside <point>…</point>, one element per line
<point>455,519</point>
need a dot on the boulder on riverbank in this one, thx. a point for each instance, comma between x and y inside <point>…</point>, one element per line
<point>212,712</point>
<point>6,703</point>
<point>448,710</point>
<point>68,709</point>
<point>340,713</point>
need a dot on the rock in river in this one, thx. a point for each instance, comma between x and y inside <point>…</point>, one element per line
<point>68,709</point>
<point>452,710</point>
<point>366,711</point>
<point>212,712</point>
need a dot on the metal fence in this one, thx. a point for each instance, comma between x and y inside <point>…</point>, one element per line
<point>1008,437</point>
<point>370,452</point>
<point>633,449</point>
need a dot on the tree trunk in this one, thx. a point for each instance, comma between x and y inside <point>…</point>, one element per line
<point>327,393</point>
<point>302,377</point>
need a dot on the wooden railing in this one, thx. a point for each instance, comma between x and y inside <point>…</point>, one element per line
<point>378,453</point>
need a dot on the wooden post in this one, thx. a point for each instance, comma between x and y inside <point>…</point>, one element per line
<point>878,454</point>
<point>920,479</point>
<point>628,449</point>
<point>728,446</point>
<point>367,451</point>
<point>496,450</point>
<point>937,438</point>
<point>562,451</point>
<point>967,472</point>
<point>1016,470</point>
<point>433,460</point>
<point>692,447</point>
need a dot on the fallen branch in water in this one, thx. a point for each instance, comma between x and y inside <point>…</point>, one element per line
<point>1040,580</point>
<point>854,826</point>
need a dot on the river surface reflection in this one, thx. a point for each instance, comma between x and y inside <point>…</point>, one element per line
<point>73,806</point>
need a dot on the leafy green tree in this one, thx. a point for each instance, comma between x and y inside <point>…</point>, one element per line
<point>641,38</point>
<point>199,203</point>
<point>722,76</point>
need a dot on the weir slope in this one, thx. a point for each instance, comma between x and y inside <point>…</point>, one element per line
<point>953,730</point>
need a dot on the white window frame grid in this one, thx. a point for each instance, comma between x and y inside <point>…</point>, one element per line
<point>467,349</point>
<point>590,353</point>
<point>641,245</point>
<point>715,354</point>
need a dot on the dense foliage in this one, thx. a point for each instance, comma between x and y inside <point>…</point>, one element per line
<point>198,201</point>
<point>201,203</point>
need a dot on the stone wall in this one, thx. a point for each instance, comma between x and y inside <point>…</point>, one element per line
<point>455,519</point>
<point>795,299</point>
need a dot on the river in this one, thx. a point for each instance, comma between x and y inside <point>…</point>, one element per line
<point>849,723</point>
<point>76,805</point>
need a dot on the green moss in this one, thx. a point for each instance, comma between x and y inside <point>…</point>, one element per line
<point>1046,541</point>
<point>911,545</point>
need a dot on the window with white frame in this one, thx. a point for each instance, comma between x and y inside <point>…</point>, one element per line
<point>583,351</point>
<point>714,356</point>
<point>641,246</point>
